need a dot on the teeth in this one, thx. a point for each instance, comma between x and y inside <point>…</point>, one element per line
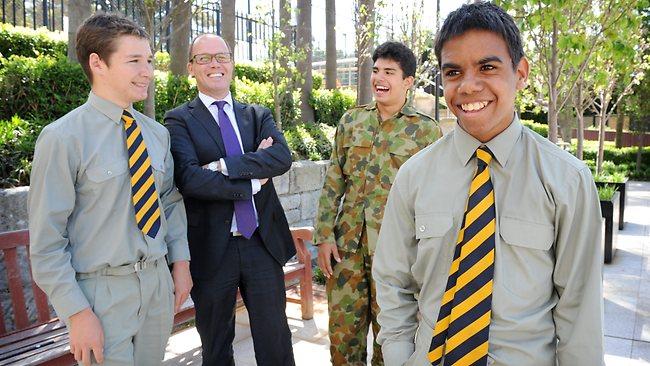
<point>382,88</point>
<point>217,74</point>
<point>470,107</point>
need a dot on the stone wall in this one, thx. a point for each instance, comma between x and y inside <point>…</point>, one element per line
<point>299,189</point>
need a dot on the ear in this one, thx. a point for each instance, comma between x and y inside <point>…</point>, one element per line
<point>97,65</point>
<point>408,82</point>
<point>190,70</point>
<point>523,68</point>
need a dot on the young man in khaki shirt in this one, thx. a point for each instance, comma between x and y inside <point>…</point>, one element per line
<point>105,218</point>
<point>526,241</point>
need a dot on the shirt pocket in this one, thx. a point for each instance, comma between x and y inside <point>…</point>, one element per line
<point>356,156</point>
<point>105,172</point>
<point>434,246</point>
<point>527,260</point>
<point>401,150</point>
<point>159,172</point>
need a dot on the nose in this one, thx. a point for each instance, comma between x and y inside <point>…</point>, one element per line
<point>147,70</point>
<point>470,84</point>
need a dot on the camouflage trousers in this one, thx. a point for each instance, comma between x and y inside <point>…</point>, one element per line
<point>353,309</point>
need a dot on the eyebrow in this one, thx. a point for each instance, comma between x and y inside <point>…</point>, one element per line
<point>483,61</point>
<point>449,65</point>
<point>490,59</point>
<point>385,68</point>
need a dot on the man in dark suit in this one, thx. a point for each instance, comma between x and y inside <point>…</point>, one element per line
<point>225,154</point>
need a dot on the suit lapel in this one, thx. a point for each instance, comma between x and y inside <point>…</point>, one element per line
<point>246,126</point>
<point>205,119</point>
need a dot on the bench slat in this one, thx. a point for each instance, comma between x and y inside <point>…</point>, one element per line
<point>16,289</point>
<point>42,307</point>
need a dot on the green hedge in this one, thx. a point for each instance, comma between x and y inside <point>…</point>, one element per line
<point>43,88</point>
<point>17,139</point>
<point>22,41</point>
<point>329,105</point>
<point>311,141</point>
<point>540,128</point>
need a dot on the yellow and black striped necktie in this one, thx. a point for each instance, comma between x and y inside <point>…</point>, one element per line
<point>143,187</point>
<point>462,329</point>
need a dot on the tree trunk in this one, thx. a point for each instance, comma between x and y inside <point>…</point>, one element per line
<point>304,64</point>
<point>148,9</point>
<point>228,24</point>
<point>639,151</point>
<point>180,38</point>
<point>78,11</point>
<point>552,103</point>
<point>580,129</point>
<point>365,32</point>
<point>330,40</point>
<point>620,120</point>
<point>604,99</point>
<point>285,96</point>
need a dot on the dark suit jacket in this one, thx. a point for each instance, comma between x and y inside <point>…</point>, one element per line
<point>196,141</point>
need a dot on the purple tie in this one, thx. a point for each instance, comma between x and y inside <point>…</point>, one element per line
<point>244,210</point>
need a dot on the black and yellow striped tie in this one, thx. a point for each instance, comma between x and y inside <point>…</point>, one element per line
<point>143,187</point>
<point>462,330</point>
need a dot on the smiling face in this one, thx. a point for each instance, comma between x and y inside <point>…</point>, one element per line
<point>479,82</point>
<point>213,78</point>
<point>125,76</point>
<point>388,83</point>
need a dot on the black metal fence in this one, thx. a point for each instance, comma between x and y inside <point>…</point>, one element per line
<point>252,34</point>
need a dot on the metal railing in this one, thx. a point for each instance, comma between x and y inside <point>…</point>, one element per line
<point>252,34</point>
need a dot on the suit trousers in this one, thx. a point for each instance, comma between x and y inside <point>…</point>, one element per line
<point>136,312</point>
<point>249,266</point>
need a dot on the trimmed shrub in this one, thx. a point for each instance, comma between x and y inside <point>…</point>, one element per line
<point>311,141</point>
<point>17,140</point>
<point>43,88</point>
<point>540,128</point>
<point>260,73</point>
<point>329,105</point>
<point>172,91</point>
<point>21,41</point>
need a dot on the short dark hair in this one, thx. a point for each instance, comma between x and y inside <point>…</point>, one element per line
<point>399,53</point>
<point>483,16</point>
<point>99,33</point>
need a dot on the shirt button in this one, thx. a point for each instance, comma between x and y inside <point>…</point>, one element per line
<point>109,172</point>
<point>422,228</point>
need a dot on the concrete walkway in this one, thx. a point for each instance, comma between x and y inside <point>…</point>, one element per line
<point>626,291</point>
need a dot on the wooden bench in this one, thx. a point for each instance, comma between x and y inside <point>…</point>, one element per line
<point>45,341</point>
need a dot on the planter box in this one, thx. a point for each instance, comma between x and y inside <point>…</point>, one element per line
<point>610,211</point>
<point>621,187</point>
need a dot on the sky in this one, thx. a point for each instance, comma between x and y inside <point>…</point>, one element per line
<point>345,30</point>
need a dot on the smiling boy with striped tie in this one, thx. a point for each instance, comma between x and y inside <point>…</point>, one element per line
<point>489,253</point>
<point>105,216</point>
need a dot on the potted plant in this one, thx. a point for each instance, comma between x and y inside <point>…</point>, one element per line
<point>609,207</point>
<point>619,181</point>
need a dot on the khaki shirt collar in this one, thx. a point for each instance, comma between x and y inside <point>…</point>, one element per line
<point>501,145</point>
<point>108,108</point>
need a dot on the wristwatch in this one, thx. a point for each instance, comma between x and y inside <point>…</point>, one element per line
<point>214,166</point>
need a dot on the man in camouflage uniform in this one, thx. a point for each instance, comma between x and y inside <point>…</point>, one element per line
<point>370,145</point>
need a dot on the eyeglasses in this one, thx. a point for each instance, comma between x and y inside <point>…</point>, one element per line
<point>206,58</point>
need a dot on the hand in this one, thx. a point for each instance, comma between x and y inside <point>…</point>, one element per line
<point>267,142</point>
<point>206,166</point>
<point>182,283</point>
<point>86,335</point>
<point>325,253</point>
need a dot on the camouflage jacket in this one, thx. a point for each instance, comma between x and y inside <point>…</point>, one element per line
<point>365,158</point>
